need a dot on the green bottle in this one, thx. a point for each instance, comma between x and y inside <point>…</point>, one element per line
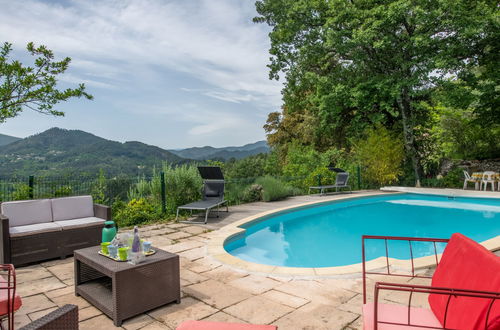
<point>109,231</point>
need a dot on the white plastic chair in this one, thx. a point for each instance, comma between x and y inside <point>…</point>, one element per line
<point>468,179</point>
<point>488,177</point>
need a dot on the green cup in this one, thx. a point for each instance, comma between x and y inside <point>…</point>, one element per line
<point>104,247</point>
<point>122,253</point>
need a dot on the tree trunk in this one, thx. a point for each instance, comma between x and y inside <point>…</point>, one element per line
<point>404,105</point>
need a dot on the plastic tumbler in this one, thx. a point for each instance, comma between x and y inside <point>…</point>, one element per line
<point>123,253</point>
<point>104,247</point>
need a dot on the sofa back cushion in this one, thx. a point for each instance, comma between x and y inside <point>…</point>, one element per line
<point>23,213</point>
<point>467,265</point>
<point>67,208</point>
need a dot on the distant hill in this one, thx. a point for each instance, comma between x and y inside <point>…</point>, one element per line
<point>203,153</point>
<point>6,139</point>
<point>59,151</point>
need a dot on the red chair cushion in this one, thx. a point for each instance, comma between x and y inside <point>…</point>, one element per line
<point>4,298</point>
<point>398,314</point>
<point>205,325</point>
<point>466,264</point>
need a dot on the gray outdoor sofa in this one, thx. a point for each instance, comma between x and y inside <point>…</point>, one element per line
<point>35,230</point>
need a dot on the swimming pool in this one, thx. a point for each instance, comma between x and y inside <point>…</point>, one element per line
<point>329,234</point>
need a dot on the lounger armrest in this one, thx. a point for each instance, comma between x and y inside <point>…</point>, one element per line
<point>424,289</point>
<point>4,240</point>
<point>102,211</point>
<point>65,318</point>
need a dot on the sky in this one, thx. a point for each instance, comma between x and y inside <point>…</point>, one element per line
<point>171,73</point>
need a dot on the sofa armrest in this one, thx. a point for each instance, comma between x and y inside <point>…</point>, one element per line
<point>102,211</point>
<point>65,318</point>
<point>4,240</point>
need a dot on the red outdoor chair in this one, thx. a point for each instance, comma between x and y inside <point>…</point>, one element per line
<point>464,294</point>
<point>9,300</point>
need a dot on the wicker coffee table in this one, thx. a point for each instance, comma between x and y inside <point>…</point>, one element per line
<point>121,290</point>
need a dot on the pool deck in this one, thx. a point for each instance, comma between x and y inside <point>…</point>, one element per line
<point>212,290</point>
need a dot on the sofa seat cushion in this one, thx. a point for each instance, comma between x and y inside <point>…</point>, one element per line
<point>467,265</point>
<point>4,298</point>
<point>398,314</point>
<point>38,228</point>
<point>76,207</point>
<point>205,325</point>
<point>80,223</point>
<point>22,213</point>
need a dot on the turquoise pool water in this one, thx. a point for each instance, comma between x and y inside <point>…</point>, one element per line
<point>329,234</point>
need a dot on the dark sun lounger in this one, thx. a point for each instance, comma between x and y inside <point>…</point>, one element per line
<point>340,182</point>
<point>212,192</point>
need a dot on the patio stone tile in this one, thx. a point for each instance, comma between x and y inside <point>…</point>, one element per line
<point>156,326</point>
<point>177,225</point>
<point>98,322</point>
<point>316,316</point>
<point>353,305</point>
<point>62,271</point>
<point>159,241</point>
<point>255,284</point>
<point>39,286</point>
<point>194,254</point>
<point>224,274</point>
<point>191,277</point>
<point>70,299</point>
<point>137,322</point>
<point>31,273</point>
<point>35,303</point>
<point>87,313</point>
<point>285,298</point>
<point>216,294</point>
<point>188,309</point>
<point>55,262</point>
<point>223,317</point>
<point>194,230</point>
<point>204,265</point>
<point>283,279</point>
<point>357,324</point>
<point>60,292</point>
<point>36,315</point>
<point>258,310</point>
<point>69,281</point>
<point>20,320</point>
<point>355,285</point>
<point>177,235</point>
<point>179,247</point>
<point>317,292</point>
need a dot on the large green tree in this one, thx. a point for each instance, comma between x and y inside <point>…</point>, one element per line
<point>34,87</point>
<point>355,64</point>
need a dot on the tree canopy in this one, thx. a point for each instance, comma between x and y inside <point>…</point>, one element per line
<point>352,65</point>
<point>34,87</point>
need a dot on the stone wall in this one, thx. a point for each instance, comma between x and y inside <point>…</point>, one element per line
<point>472,165</point>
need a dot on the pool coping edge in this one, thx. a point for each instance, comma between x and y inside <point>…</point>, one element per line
<point>215,246</point>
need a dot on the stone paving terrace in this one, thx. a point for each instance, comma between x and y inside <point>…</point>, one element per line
<point>210,290</point>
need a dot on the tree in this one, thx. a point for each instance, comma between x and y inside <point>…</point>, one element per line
<point>35,87</point>
<point>356,64</point>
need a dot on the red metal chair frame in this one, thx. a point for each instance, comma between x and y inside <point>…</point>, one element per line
<point>8,273</point>
<point>379,286</point>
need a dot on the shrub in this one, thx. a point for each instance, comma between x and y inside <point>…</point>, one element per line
<point>274,189</point>
<point>135,212</point>
<point>381,154</point>
<point>320,176</point>
<point>253,193</point>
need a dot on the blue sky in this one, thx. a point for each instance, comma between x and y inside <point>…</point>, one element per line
<point>172,73</point>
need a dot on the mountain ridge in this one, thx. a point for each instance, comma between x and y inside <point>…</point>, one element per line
<point>7,139</point>
<point>225,153</point>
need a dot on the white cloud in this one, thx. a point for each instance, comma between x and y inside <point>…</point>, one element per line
<point>141,48</point>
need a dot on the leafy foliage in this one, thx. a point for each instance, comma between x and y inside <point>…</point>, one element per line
<point>381,154</point>
<point>33,87</point>
<point>274,189</point>
<point>350,66</point>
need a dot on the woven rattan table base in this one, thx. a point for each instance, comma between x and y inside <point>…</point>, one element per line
<point>121,290</point>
